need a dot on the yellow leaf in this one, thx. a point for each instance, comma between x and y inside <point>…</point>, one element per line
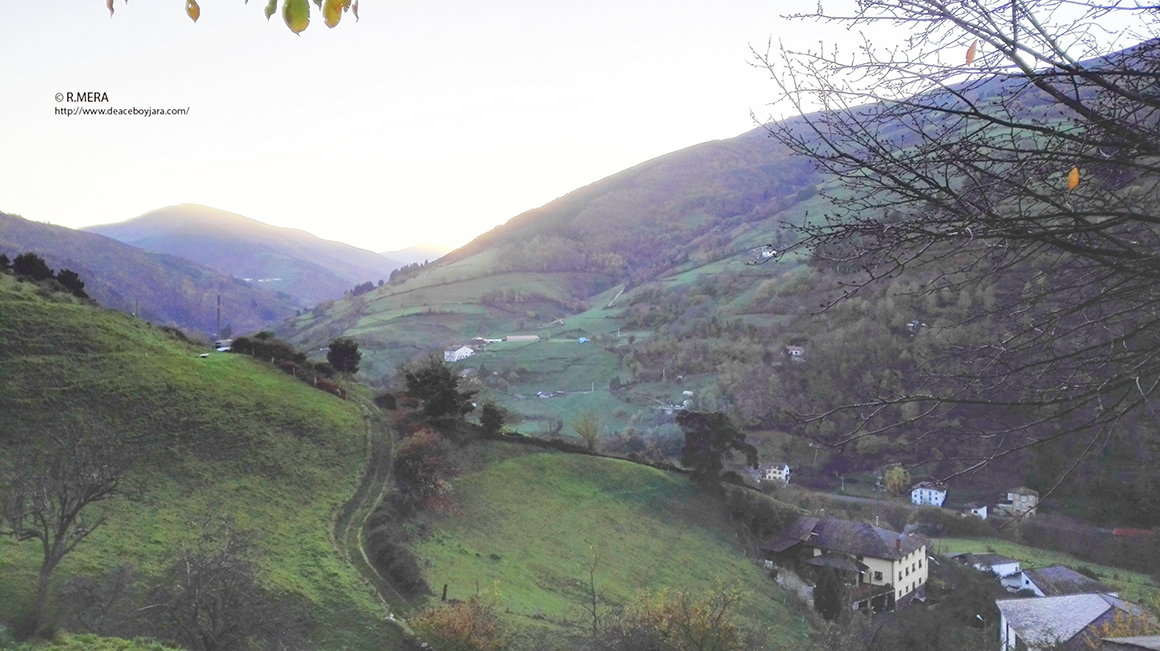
<point>296,13</point>
<point>332,12</point>
<point>971,52</point>
<point>192,9</point>
<point>271,7</point>
<point>1073,178</point>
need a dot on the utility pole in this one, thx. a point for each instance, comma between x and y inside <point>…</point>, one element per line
<point>218,332</point>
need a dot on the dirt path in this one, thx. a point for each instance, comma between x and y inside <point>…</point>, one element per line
<point>348,526</point>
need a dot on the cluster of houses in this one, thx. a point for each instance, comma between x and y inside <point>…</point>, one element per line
<point>1069,612</point>
<point>1019,502</point>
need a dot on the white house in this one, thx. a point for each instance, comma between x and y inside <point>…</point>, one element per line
<point>1050,622</point>
<point>928,493</point>
<point>977,510</point>
<point>796,353</point>
<point>777,473</point>
<point>456,354</point>
<point>1000,566</point>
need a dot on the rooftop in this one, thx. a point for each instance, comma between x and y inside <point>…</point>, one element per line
<point>1042,621</point>
<point>856,538</point>
<point>1059,580</point>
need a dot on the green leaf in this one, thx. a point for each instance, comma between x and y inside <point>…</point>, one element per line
<point>296,13</point>
<point>271,7</point>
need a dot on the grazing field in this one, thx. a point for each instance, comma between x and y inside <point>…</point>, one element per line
<point>224,434</point>
<point>528,521</point>
<point>1133,585</point>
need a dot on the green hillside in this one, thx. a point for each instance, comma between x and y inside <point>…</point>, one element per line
<point>527,521</point>
<point>222,434</point>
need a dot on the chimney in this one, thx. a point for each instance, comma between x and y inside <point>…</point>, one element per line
<point>898,543</point>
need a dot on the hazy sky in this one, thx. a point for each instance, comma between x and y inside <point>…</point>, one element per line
<point>424,121</point>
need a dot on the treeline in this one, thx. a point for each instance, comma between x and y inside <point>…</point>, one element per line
<point>33,267</point>
<point>320,375</point>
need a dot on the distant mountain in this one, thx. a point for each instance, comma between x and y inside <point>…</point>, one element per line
<point>308,268</point>
<point>418,253</point>
<point>166,289</point>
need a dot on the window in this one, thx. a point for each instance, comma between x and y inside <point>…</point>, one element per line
<point>900,576</point>
<point>877,576</point>
<point>908,571</point>
<point>920,563</point>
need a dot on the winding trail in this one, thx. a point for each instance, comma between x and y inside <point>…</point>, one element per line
<point>351,518</point>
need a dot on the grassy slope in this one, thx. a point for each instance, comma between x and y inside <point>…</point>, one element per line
<point>1133,586</point>
<point>227,433</point>
<point>529,519</point>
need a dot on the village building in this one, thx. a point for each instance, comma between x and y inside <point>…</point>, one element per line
<point>457,353</point>
<point>928,493</point>
<point>777,473</point>
<point>522,338</point>
<point>1000,566</point>
<point>1056,581</point>
<point>796,353</point>
<point>884,569</point>
<point>976,509</point>
<point>1020,501</point>
<point>1064,623</point>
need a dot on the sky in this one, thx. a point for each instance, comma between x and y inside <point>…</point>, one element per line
<point>422,122</point>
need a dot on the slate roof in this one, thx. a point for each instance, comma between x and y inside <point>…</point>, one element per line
<point>1139,643</point>
<point>839,562</point>
<point>854,538</point>
<point>1042,621</point>
<point>1059,580</point>
<point>986,561</point>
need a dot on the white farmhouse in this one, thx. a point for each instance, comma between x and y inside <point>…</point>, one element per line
<point>456,354</point>
<point>928,493</point>
<point>777,473</point>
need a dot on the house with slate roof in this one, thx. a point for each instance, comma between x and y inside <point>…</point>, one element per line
<point>1065,623</point>
<point>1000,566</point>
<point>884,569</point>
<point>1059,580</point>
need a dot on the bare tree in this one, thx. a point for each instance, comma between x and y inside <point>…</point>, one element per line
<point>210,599</point>
<point>51,491</point>
<point>993,140</point>
<point>588,426</point>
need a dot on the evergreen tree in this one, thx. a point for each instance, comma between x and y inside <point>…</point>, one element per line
<point>344,355</point>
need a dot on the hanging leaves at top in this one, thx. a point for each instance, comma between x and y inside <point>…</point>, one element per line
<point>110,4</point>
<point>296,13</point>
<point>271,7</point>
<point>192,9</point>
<point>1072,178</point>
<point>332,12</point>
<point>971,52</point>
<point>354,10</point>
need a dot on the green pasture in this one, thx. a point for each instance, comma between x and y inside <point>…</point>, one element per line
<point>528,521</point>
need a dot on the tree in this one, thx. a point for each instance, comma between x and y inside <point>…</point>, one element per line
<point>673,620</point>
<point>423,469</point>
<point>51,492</point>
<point>829,594</point>
<point>344,355</point>
<point>708,438</point>
<point>434,388</point>
<point>896,480</point>
<point>31,266</point>
<point>295,13</point>
<point>472,625</point>
<point>491,419</point>
<point>72,282</point>
<point>5,263</point>
<point>588,426</point>
<point>1006,143</point>
<point>210,598</point>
